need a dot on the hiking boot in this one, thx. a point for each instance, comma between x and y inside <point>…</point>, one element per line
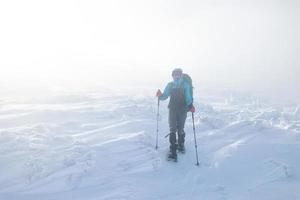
<point>172,156</point>
<point>181,148</point>
<point>173,152</point>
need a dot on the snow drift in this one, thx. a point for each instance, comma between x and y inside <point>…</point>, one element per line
<point>102,147</point>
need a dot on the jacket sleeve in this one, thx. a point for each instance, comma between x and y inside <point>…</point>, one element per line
<point>187,94</point>
<point>166,92</point>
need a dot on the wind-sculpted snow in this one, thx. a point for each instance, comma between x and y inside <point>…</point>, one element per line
<point>95,146</point>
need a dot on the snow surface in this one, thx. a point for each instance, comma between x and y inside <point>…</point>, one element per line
<point>101,146</point>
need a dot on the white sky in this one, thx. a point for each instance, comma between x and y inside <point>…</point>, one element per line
<point>64,43</point>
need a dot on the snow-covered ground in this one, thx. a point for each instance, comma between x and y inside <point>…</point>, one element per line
<point>100,146</point>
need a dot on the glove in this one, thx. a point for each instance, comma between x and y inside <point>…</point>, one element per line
<point>158,93</point>
<point>192,108</point>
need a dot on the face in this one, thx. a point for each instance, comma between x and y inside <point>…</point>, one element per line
<point>176,75</point>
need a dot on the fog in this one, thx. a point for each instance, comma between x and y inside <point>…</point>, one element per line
<point>62,45</point>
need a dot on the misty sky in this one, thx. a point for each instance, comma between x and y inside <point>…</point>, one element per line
<point>75,43</point>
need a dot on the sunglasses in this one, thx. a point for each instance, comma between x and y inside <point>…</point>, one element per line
<point>176,74</point>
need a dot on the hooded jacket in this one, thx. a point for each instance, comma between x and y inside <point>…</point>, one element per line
<point>178,84</point>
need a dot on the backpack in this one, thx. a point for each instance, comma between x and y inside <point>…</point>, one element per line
<point>186,78</point>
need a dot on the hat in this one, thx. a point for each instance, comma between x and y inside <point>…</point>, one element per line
<point>177,70</point>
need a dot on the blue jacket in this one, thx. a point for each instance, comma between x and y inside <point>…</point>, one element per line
<point>177,84</point>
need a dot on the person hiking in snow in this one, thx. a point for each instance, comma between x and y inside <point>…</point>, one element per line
<point>181,101</point>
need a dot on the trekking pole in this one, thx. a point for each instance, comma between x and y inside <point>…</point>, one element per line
<point>157,117</point>
<point>195,138</point>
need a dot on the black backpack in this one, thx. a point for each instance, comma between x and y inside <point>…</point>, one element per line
<point>186,78</point>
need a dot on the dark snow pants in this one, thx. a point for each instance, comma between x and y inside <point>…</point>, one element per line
<point>177,119</point>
